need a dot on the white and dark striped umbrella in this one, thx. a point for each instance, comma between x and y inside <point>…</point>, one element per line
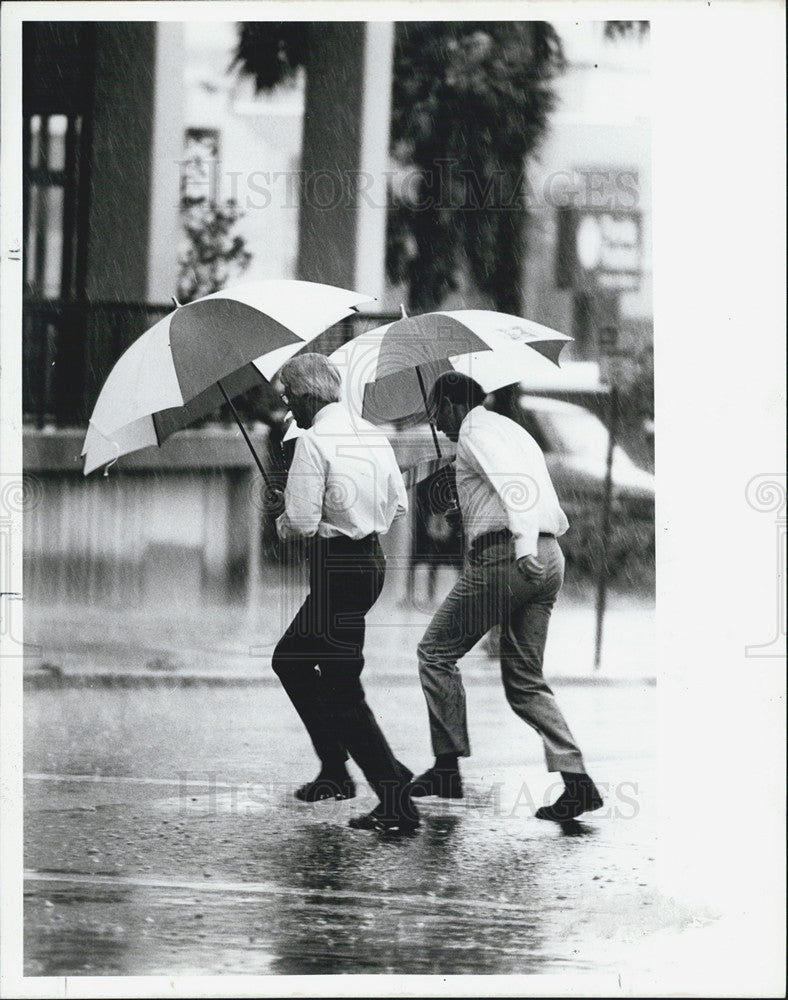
<point>205,352</point>
<point>389,372</point>
<point>415,452</point>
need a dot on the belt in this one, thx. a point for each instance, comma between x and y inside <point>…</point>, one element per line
<point>341,541</point>
<point>501,535</point>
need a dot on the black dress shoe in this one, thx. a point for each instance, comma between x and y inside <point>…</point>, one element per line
<point>580,795</point>
<point>446,783</point>
<point>382,819</point>
<point>326,788</point>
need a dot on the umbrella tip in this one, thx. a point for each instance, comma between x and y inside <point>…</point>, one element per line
<point>114,460</point>
<point>176,302</point>
<point>402,309</point>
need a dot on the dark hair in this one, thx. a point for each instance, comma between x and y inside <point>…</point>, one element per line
<point>456,388</point>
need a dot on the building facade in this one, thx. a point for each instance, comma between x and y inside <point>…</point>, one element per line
<point>121,119</point>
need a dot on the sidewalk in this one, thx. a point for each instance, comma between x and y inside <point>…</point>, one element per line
<point>232,643</point>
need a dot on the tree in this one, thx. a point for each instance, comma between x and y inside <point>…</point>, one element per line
<point>623,29</point>
<point>213,254</point>
<point>470,103</point>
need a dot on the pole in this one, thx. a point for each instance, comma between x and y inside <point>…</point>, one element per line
<point>246,436</point>
<point>426,410</point>
<point>601,597</point>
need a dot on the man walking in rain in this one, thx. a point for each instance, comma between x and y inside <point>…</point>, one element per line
<point>513,572</point>
<point>342,492</point>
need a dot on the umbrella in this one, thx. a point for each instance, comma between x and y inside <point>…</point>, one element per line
<point>390,370</point>
<point>355,361</point>
<point>203,354</point>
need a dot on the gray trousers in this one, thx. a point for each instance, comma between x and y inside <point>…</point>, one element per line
<point>492,591</point>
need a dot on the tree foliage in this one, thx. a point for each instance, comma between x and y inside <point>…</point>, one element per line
<point>622,29</point>
<point>271,51</point>
<point>470,102</point>
<point>213,254</point>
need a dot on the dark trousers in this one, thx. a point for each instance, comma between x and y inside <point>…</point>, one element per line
<point>320,657</point>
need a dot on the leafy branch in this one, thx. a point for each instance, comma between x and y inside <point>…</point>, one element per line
<point>213,254</point>
<point>470,102</point>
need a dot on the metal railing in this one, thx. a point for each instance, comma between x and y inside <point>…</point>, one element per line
<point>69,348</point>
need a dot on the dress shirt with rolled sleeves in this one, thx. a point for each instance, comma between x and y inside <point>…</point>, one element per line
<point>503,482</point>
<point>343,480</point>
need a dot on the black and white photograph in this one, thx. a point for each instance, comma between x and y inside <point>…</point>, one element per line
<point>392,504</point>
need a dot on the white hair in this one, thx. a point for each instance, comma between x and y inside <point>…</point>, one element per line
<point>311,375</point>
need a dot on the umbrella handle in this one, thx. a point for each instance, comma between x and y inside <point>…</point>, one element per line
<point>246,436</point>
<point>426,410</point>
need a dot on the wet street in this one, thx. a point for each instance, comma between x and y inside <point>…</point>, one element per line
<point>162,837</point>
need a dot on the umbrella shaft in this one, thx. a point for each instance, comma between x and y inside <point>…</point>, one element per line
<point>246,436</point>
<point>426,410</point>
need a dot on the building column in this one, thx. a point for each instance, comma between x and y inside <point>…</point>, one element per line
<point>371,212</point>
<point>120,172</point>
<point>342,218</point>
<point>165,232</point>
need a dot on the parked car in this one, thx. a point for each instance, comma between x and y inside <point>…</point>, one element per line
<point>575,445</point>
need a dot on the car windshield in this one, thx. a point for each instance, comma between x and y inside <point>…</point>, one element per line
<point>573,432</point>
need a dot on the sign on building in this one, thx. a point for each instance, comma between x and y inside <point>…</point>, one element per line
<point>599,248</point>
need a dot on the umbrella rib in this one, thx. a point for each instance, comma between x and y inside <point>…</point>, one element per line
<point>159,438</point>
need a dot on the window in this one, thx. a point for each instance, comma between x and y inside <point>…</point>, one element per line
<point>200,166</point>
<point>52,147</point>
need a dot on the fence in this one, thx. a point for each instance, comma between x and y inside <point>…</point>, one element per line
<point>69,348</point>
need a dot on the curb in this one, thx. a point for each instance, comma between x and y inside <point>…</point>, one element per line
<point>54,682</point>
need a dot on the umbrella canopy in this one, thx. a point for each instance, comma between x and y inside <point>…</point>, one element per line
<point>214,348</point>
<point>395,366</point>
<point>495,369</point>
<point>414,450</point>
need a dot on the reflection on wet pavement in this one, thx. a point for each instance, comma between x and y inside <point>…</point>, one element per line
<point>162,837</point>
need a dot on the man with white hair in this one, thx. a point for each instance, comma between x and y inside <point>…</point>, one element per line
<point>343,491</point>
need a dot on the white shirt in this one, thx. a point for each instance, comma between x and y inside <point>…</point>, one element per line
<point>503,482</point>
<point>344,479</point>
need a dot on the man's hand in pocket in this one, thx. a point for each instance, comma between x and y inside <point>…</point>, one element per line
<point>531,568</point>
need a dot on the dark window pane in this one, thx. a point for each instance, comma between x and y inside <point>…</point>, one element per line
<point>199,169</point>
